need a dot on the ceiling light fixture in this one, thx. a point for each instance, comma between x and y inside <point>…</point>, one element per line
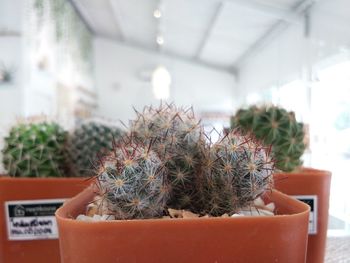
<point>161,81</point>
<point>157,13</point>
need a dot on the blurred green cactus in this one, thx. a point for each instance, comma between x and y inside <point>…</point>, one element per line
<point>277,127</point>
<point>88,142</point>
<point>35,150</point>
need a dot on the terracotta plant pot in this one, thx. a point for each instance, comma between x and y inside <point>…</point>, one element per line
<point>18,246</point>
<point>280,238</point>
<point>313,186</point>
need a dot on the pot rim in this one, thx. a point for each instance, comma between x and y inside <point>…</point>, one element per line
<point>307,170</point>
<point>63,212</point>
<point>31,179</point>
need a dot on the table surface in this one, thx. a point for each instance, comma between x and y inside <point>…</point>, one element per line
<point>338,250</point>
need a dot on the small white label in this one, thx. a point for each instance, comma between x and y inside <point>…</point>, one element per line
<point>310,200</point>
<point>32,219</point>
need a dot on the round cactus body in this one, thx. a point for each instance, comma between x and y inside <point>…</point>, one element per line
<point>35,150</point>
<point>238,170</point>
<point>169,124</point>
<point>277,127</point>
<point>88,142</point>
<point>177,136</point>
<point>131,182</point>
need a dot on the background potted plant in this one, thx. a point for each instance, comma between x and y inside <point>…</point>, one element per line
<point>277,127</point>
<point>166,161</point>
<point>88,142</point>
<point>36,157</point>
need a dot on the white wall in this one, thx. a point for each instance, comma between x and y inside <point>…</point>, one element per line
<point>291,56</point>
<point>11,58</point>
<point>33,91</point>
<point>122,80</point>
<point>9,15</point>
<point>287,56</point>
<point>11,105</point>
<point>279,62</point>
<point>10,93</point>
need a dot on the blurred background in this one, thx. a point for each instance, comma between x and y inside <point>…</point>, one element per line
<point>72,59</point>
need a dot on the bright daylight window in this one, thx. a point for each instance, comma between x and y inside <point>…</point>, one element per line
<point>329,132</point>
<point>330,136</point>
<point>328,114</point>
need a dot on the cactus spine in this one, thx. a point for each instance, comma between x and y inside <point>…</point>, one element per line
<point>277,127</point>
<point>35,150</point>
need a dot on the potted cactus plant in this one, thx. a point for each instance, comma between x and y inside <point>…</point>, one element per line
<point>164,162</point>
<point>88,142</point>
<point>277,127</point>
<point>41,177</point>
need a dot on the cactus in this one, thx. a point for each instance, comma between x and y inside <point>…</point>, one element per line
<point>178,126</point>
<point>177,137</point>
<point>35,150</point>
<point>167,161</point>
<point>89,141</point>
<point>237,171</point>
<point>277,127</point>
<point>131,182</point>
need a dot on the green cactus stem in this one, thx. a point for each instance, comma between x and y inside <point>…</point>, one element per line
<point>131,182</point>
<point>238,170</point>
<point>35,150</point>
<point>90,141</point>
<point>277,127</point>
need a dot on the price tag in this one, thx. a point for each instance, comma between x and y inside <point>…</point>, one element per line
<point>310,200</point>
<point>32,219</point>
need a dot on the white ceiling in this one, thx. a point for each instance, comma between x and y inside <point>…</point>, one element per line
<point>218,33</point>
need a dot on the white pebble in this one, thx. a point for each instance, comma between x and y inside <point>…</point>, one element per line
<point>256,212</point>
<point>271,207</point>
<point>237,215</point>
<point>96,218</point>
<point>259,202</point>
<point>107,217</point>
<point>84,218</point>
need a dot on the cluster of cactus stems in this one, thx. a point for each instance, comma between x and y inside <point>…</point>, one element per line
<point>237,171</point>
<point>90,141</point>
<point>166,160</point>
<point>276,127</point>
<point>35,150</point>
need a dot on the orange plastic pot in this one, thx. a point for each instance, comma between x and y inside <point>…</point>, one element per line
<point>310,182</point>
<point>14,189</point>
<point>281,238</point>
